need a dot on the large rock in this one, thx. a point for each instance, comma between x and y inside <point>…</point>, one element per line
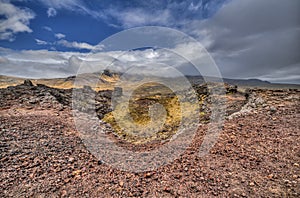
<point>201,89</point>
<point>28,83</point>
<point>107,73</point>
<point>231,88</point>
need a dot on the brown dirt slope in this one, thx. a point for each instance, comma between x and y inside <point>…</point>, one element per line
<point>257,155</point>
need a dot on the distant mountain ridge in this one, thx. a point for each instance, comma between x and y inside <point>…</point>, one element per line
<point>107,79</point>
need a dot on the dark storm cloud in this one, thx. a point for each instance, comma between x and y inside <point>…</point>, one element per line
<point>254,39</point>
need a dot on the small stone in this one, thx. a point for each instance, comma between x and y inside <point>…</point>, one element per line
<point>63,193</point>
<point>251,184</point>
<point>148,175</point>
<point>100,162</point>
<point>77,172</point>
<point>273,109</point>
<point>270,176</point>
<point>31,175</point>
<point>259,101</point>
<point>167,189</point>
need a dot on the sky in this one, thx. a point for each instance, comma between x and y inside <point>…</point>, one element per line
<point>246,38</point>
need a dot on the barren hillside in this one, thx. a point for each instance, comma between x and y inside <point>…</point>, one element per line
<point>256,155</point>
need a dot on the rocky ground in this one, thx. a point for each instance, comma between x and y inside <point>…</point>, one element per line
<point>256,155</point>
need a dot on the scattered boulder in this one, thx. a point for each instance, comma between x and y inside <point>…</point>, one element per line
<point>201,89</point>
<point>231,89</point>
<point>87,88</point>
<point>107,72</point>
<point>27,82</point>
<point>118,91</point>
<point>248,93</point>
<point>70,78</point>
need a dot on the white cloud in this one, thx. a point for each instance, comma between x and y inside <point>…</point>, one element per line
<point>15,20</point>
<point>33,63</point>
<point>60,35</point>
<point>68,44</point>
<point>41,42</point>
<point>3,60</point>
<point>51,12</point>
<point>47,28</point>
<point>138,17</point>
<point>53,64</point>
<point>57,35</point>
<point>194,7</point>
<point>74,6</point>
<point>76,45</point>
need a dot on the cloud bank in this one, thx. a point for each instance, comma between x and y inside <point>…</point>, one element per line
<point>247,38</point>
<point>254,39</point>
<point>49,64</point>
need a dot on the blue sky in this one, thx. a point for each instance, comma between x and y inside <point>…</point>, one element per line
<point>246,38</point>
<point>92,21</point>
